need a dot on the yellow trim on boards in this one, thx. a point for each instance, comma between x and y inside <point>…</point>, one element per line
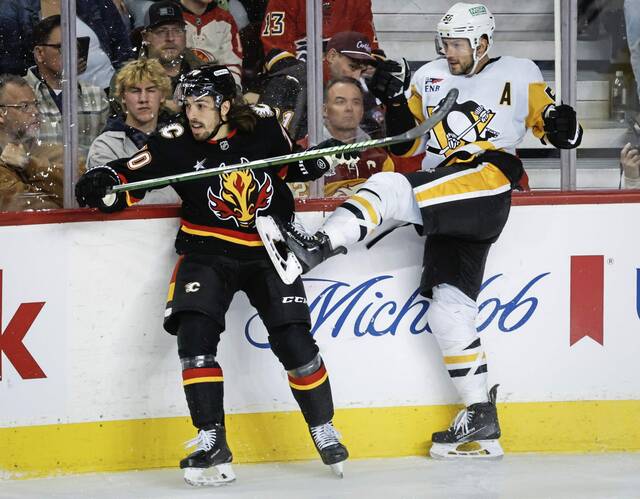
<point>36,451</point>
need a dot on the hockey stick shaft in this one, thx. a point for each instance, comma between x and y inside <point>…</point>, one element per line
<point>557,32</point>
<point>408,136</point>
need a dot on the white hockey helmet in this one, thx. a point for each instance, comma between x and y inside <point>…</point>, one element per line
<point>466,20</point>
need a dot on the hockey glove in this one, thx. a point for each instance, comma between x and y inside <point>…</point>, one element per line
<point>91,190</point>
<point>350,158</point>
<point>561,127</point>
<point>390,80</point>
<point>311,169</point>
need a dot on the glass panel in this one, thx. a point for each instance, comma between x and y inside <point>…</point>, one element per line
<point>606,89</point>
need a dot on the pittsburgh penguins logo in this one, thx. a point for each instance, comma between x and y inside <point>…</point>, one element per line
<point>466,123</point>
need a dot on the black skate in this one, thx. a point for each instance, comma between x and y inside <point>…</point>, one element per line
<point>210,464</point>
<point>332,452</point>
<point>474,433</point>
<point>291,249</point>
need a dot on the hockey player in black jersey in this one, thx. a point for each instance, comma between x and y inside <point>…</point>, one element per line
<point>221,253</point>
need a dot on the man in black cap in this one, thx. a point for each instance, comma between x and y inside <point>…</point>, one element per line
<point>164,38</point>
<point>348,54</point>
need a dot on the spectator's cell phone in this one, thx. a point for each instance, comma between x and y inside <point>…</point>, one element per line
<point>83,47</point>
<point>83,53</point>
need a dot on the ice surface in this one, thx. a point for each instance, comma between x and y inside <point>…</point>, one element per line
<point>519,476</point>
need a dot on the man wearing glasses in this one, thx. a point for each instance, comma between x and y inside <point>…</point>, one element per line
<point>28,175</point>
<point>45,79</point>
<point>165,39</point>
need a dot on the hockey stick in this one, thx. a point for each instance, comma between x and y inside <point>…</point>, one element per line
<point>557,36</point>
<point>410,135</point>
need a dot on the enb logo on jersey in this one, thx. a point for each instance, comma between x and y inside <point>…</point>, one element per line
<point>432,84</point>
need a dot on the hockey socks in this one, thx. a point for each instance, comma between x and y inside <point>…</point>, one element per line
<point>204,390</point>
<point>452,317</point>
<point>312,391</point>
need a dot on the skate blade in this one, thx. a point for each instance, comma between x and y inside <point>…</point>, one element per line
<point>215,476</point>
<point>288,269</point>
<point>338,469</point>
<point>480,449</point>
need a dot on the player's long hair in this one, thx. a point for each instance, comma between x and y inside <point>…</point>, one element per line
<point>241,116</point>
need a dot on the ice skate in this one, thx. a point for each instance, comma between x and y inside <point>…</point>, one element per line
<point>291,249</point>
<point>474,433</point>
<point>210,463</point>
<point>332,452</point>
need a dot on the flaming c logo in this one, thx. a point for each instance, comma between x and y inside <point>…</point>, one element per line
<point>241,197</point>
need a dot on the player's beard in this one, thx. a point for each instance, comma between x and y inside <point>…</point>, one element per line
<point>461,68</point>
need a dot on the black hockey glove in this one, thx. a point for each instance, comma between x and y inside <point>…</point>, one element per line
<point>390,80</point>
<point>91,190</point>
<point>561,127</point>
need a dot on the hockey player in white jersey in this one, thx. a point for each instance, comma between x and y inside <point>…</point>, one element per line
<point>460,200</point>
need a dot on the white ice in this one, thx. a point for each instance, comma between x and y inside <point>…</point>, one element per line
<point>520,476</point>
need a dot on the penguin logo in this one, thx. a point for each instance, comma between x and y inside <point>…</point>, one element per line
<point>466,123</point>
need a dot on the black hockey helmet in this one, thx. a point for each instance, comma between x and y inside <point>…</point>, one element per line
<point>211,79</point>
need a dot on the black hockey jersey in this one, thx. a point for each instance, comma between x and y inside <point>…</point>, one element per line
<point>218,212</point>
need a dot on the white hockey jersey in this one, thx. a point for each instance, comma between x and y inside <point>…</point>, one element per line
<point>494,108</point>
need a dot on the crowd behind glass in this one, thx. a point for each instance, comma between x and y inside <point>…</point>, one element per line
<point>131,54</point>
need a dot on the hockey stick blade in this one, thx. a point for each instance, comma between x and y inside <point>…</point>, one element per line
<point>410,135</point>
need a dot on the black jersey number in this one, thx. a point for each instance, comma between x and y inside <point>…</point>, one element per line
<point>274,24</point>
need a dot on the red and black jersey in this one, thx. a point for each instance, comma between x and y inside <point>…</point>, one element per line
<point>218,212</point>
<point>284,25</point>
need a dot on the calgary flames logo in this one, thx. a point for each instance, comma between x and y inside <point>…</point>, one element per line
<point>241,197</point>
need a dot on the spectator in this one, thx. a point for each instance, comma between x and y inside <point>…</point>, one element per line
<point>284,26</point>
<point>100,20</point>
<point>165,39</point>
<point>343,112</point>
<point>30,173</point>
<point>46,80</point>
<point>632,20</point>
<point>348,55</point>
<point>141,87</point>
<point>630,166</point>
<point>212,34</point>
